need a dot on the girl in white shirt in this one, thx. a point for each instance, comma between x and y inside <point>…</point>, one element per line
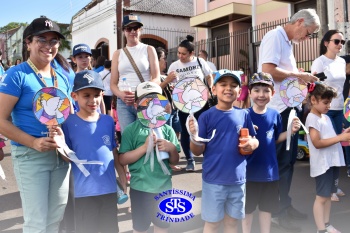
<point>326,155</point>
<point>333,67</point>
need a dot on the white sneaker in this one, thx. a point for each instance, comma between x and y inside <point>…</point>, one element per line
<point>331,229</point>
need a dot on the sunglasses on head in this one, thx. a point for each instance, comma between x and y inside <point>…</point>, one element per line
<point>337,41</point>
<point>135,28</point>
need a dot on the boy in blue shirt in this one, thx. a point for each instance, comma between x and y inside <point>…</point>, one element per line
<point>91,136</point>
<point>262,166</point>
<point>145,184</point>
<point>224,168</point>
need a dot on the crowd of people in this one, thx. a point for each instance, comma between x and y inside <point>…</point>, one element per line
<point>102,126</point>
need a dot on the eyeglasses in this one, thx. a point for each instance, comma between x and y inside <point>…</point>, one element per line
<point>337,41</point>
<point>135,28</point>
<point>43,42</point>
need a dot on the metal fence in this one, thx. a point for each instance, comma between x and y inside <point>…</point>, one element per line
<point>241,48</point>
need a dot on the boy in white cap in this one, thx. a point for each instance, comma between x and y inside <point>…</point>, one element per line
<point>145,184</point>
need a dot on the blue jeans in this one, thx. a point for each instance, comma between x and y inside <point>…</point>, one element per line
<point>126,114</point>
<point>174,121</point>
<point>43,180</point>
<point>185,137</point>
<point>286,160</point>
<point>336,117</point>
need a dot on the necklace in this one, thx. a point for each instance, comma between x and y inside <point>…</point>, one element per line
<point>36,71</point>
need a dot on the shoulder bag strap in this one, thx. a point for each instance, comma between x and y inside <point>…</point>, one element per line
<point>126,51</point>
<point>205,80</point>
<point>106,75</point>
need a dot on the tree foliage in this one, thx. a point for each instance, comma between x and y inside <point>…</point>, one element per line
<point>10,26</point>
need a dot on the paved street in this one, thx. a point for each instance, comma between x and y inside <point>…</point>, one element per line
<point>303,192</point>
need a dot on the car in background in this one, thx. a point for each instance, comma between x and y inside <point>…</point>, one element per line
<point>303,150</point>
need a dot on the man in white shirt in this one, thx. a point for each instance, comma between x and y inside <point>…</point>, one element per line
<point>203,54</point>
<point>276,57</point>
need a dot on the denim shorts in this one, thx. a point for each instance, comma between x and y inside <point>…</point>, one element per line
<point>218,200</point>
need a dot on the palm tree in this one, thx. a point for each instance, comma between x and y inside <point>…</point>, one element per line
<point>65,44</point>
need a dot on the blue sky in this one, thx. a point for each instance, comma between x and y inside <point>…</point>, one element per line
<point>26,10</point>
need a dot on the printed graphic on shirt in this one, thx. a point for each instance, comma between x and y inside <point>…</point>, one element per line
<point>189,71</point>
<point>106,140</point>
<point>269,134</point>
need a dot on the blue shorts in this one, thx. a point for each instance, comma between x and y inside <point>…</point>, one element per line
<point>218,200</point>
<point>327,183</point>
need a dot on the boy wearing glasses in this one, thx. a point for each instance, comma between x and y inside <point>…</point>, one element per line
<point>262,167</point>
<point>224,169</point>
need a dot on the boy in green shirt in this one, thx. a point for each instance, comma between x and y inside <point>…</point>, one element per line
<point>145,184</point>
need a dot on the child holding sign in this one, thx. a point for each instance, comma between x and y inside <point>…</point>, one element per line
<point>224,168</point>
<point>146,183</point>
<point>91,136</point>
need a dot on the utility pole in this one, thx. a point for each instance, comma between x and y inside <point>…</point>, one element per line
<point>119,19</point>
<point>323,14</point>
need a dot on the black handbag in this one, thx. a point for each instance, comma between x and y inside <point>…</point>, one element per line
<point>212,100</point>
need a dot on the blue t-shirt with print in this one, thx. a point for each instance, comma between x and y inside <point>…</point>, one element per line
<point>262,165</point>
<point>21,81</point>
<point>223,164</point>
<point>92,141</point>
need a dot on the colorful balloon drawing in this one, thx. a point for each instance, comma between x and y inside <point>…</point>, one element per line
<point>346,109</point>
<point>152,110</point>
<point>51,106</point>
<point>190,95</point>
<point>293,91</point>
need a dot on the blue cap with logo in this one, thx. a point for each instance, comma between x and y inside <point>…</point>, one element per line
<point>226,73</point>
<point>81,48</point>
<point>129,19</point>
<point>261,77</point>
<point>87,79</point>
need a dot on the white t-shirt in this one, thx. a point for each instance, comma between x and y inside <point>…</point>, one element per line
<point>211,66</point>
<point>140,56</point>
<point>335,72</point>
<point>277,49</point>
<point>106,76</point>
<point>322,159</point>
<point>191,68</point>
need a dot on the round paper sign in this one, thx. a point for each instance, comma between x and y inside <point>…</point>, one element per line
<point>51,106</point>
<point>153,110</point>
<point>293,91</point>
<point>190,95</point>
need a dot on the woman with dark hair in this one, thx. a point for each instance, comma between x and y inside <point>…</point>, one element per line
<point>42,175</point>
<point>189,65</point>
<point>99,64</point>
<point>333,67</point>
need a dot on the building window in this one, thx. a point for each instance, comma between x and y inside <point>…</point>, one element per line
<point>305,5</point>
<point>221,35</point>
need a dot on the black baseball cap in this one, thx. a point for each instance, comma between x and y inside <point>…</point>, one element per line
<point>87,79</point>
<point>129,19</point>
<point>41,25</point>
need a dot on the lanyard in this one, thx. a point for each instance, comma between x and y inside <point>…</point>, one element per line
<point>36,71</point>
